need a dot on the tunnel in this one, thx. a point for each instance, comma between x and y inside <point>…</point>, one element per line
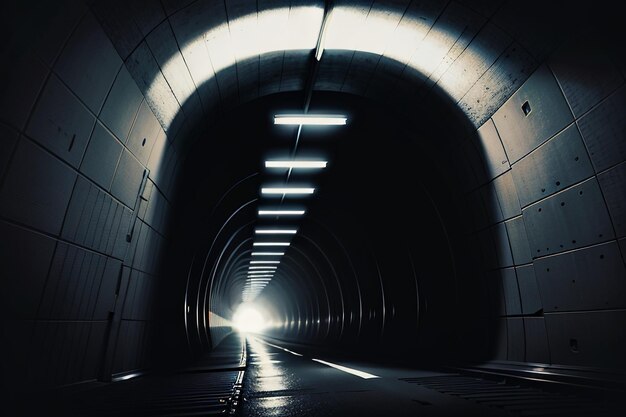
<point>315,207</point>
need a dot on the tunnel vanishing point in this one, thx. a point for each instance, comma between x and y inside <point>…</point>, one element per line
<point>202,189</point>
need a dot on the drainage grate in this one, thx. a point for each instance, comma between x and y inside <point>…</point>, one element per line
<point>185,394</point>
<point>516,399</point>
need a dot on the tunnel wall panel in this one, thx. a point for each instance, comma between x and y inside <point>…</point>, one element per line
<point>37,188</point>
<point>587,338</point>
<point>583,279</point>
<point>102,156</point>
<point>613,185</point>
<point>528,290</point>
<point>571,219</point>
<point>75,172</point>
<point>61,123</point>
<point>553,162</point>
<point>585,85</point>
<point>534,113</point>
<point>537,350</point>
<point>603,131</point>
<point>92,80</point>
<point>560,162</point>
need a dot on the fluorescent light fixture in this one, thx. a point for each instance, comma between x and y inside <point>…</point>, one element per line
<point>276,231</point>
<point>287,190</point>
<point>262,267</point>
<point>268,253</point>
<point>295,164</point>
<point>281,212</point>
<point>265,271</point>
<point>259,276</point>
<point>268,279</point>
<point>270,244</point>
<point>264,262</point>
<point>310,119</point>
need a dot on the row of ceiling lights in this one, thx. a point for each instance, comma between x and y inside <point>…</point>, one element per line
<point>263,264</point>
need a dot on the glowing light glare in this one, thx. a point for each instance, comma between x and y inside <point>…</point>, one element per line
<point>268,253</point>
<point>310,119</point>
<point>399,36</point>
<point>262,267</point>
<point>281,212</point>
<point>270,244</point>
<point>264,262</point>
<point>287,190</point>
<point>260,276</point>
<point>248,319</point>
<point>295,164</point>
<point>275,231</point>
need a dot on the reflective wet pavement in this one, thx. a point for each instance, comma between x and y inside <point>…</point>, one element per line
<point>283,382</point>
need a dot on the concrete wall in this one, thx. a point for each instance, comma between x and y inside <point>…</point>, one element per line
<point>100,102</point>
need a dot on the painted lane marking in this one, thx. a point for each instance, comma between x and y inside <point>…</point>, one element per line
<point>278,347</point>
<point>356,372</point>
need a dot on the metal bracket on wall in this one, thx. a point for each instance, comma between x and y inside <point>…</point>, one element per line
<point>142,188</point>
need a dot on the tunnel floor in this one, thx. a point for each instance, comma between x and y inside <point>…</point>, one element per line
<point>257,376</point>
<point>283,381</point>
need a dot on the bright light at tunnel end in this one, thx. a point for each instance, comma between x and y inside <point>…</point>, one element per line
<point>248,319</point>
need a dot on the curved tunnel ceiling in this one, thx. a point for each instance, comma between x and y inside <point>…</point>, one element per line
<point>516,117</point>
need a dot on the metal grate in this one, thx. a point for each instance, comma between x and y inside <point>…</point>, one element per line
<point>187,394</point>
<point>516,399</point>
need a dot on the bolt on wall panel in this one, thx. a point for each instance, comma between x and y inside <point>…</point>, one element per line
<point>37,188</point>
<point>613,185</point>
<point>24,263</point>
<point>529,290</point>
<point>121,105</point>
<point>491,150</point>
<point>596,339</point>
<point>518,240</point>
<point>537,348</point>
<point>61,123</point>
<point>101,157</point>
<point>603,129</point>
<point>584,279</point>
<point>554,166</point>
<point>143,134</point>
<point>99,63</point>
<point>585,73</point>
<point>535,113</point>
<point>567,220</point>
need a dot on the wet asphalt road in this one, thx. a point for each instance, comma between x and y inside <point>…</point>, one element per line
<point>283,382</point>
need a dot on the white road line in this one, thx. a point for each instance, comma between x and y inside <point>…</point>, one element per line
<point>281,348</point>
<point>362,374</point>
